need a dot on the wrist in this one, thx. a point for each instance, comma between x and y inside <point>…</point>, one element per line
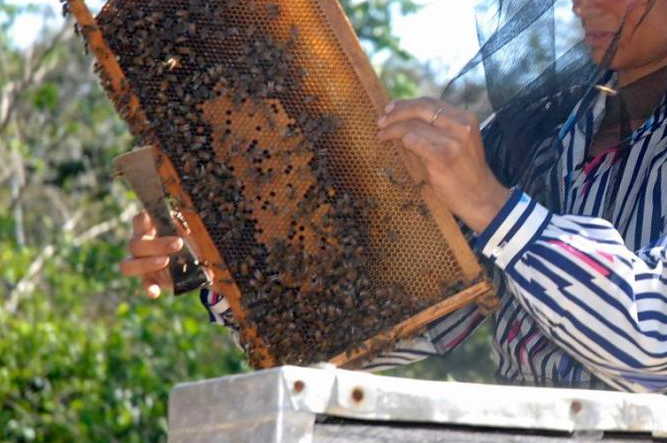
<point>481,211</point>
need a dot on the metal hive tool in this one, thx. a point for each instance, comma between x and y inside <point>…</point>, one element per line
<point>262,118</point>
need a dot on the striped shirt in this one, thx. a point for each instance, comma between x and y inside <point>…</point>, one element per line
<point>583,290</point>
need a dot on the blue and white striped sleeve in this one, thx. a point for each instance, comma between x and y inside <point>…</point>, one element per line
<point>442,336</point>
<point>220,313</point>
<point>601,302</point>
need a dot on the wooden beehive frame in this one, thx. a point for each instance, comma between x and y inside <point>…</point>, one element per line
<point>128,105</point>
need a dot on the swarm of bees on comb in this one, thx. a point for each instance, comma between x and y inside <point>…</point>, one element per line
<point>258,146</point>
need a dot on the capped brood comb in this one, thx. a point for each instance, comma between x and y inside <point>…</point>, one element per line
<point>262,116</point>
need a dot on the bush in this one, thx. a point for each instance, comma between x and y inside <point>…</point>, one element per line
<point>87,366</point>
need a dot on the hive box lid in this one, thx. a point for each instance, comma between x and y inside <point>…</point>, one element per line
<point>281,404</point>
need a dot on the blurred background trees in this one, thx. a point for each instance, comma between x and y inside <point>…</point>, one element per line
<point>82,355</point>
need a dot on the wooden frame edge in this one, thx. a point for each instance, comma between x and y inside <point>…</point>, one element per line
<point>412,325</point>
<point>223,282</point>
<point>206,252</point>
<point>137,122</point>
<point>344,32</point>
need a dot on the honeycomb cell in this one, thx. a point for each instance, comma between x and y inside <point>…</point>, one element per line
<point>262,110</point>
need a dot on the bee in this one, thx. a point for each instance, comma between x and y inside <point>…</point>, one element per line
<point>268,176</point>
<point>189,165</point>
<point>392,236</point>
<point>303,147</point>
<point>419,186</point>
<point>294,35</point>
<point>290,131</point>
<point>173,63</point>
<point>291,192</point>
<point>273,209</point>
<point>390,175</point>
<point>254,174</point>
<point>204,155</point>
<point>184,50</point>
<point>208,215</point>
<point>410,204</point>
<point>250,30</point>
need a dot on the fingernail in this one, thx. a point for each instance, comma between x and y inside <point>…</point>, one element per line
<point>389,107</point>
<point>382,121</point>
<point>176,244</point>
<point>159,260</point>
<point>154,291</point>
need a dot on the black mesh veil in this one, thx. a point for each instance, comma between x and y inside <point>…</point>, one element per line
<point>536,69</point>
<point>538,78</point>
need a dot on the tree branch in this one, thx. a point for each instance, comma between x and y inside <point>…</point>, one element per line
<point>27,284</point>
<point>34,72</point>
<point>106,226</point>
<point>29,280</point>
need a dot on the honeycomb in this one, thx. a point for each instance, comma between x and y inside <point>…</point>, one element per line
<point>266,112</point>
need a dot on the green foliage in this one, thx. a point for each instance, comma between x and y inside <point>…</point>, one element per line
<point>96,369</point>
<point>85,359</point>
<point>471,362</point>
<point>83,355</point>
<point>46,97</point>
<point>372,21</point>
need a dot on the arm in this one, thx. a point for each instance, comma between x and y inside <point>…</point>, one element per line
<point>599,301</point>
<point>450,331</point>
<point>442,336</point>
<point>603,303</point>
<point>220,313</point>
